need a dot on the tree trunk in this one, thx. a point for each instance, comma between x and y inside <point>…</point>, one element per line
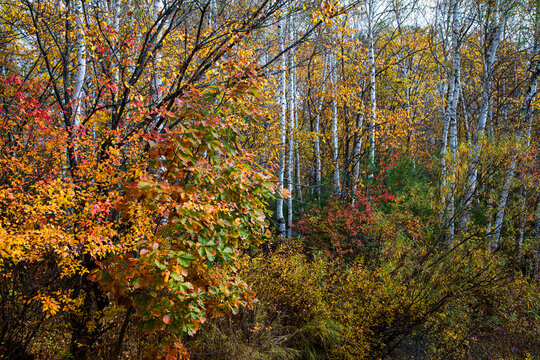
<point>78,87</point>
<point>536,274</point>
<point>527,116</point>
<point>317,130</point>
<point>335,138</point>
<point>290,162</point>
<point>372,87</point>
<point>493,36</point>
<point>157,84</point>
<point>357,151</point>
<point>450,126</point>
<point>297,150</point>
<point>283,128</point>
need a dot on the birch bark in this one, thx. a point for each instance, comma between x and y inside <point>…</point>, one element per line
<point>290,162</point>
<point>526,114</point>
<point>536,274</point>
<point>157,83</point>
<point>372,85</point>
<point>335,137</point>
<point>283,128</point>
<point>493,39</point>
<point>357,151</point>
<point>78,86</point>
<point>317,133</point>
<point>450,124</point>
<point>297,151</point>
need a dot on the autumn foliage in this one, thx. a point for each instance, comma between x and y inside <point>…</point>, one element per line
<point>345,230</point>
<point>153,223</point>
<point>314,179</point>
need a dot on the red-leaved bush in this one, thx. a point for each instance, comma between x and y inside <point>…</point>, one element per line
<point>343,230</point>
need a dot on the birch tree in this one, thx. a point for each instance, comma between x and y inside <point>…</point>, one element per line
<point>283,128</point>
<point>492,39</point>
<point>451,116</point>
<point>372,82</point>
<point>335,137</point>
<point>78,88</point>
<point>536,269</point>
<point>292,110</point>
<point>525,117</point>
<point>357,150</point>
<point>317,143</point>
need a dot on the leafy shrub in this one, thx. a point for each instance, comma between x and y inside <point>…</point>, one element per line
<point>291,320</point>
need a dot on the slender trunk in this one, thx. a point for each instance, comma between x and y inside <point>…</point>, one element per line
<point>283,129</point>
<point>465,115</point>
<point>265,125</point>
<point>453,148</point>
<point>493,40</point>
<point>157,83</point>
<point>117,351</point>
<point>372,84</point>
<point>299,177</point>
<point>499,217</point>
<point>78,87</point>
<point>522,221</point>
<point>297,149</point>
<point>357,150</point>
<point>450,126</point>
<point>116,57</point>
<point>335,138</point>
<point>491,200</point>
<point>533,88</point>
<point>290,163</point>
<point>527,115</point>
<point>212,18</point>
<point>536,274</point>
<point>317,130</point>
<point>444,144</point>
<point>444,149</point>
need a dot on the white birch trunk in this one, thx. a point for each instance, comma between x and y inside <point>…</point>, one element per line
<point>502,203</point>
<point>157,83</point>
<point>444,148</point>
<point>452,134</point>
<point>116,56</point>
<point>527,112</point>
<point>78,87</point>
<point>335,137</point>
<point>494,34</point>
<point>116,53</point>
<point>283,129</point>
<point>357,151</point>
<point>317,131</point>
<point>372,86</point>
<point>536,273</point>
<point>297,149</point>
<point>450,126</point>
<point>290,162</point>
<point>533,88</point>
<point>465,114</point>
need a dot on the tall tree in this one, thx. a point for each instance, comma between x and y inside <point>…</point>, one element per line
<point>370,16</point>
<point>283,126</point>
<point>492,39</point>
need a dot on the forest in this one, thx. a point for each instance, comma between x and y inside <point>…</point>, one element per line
<point>269,179</point>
